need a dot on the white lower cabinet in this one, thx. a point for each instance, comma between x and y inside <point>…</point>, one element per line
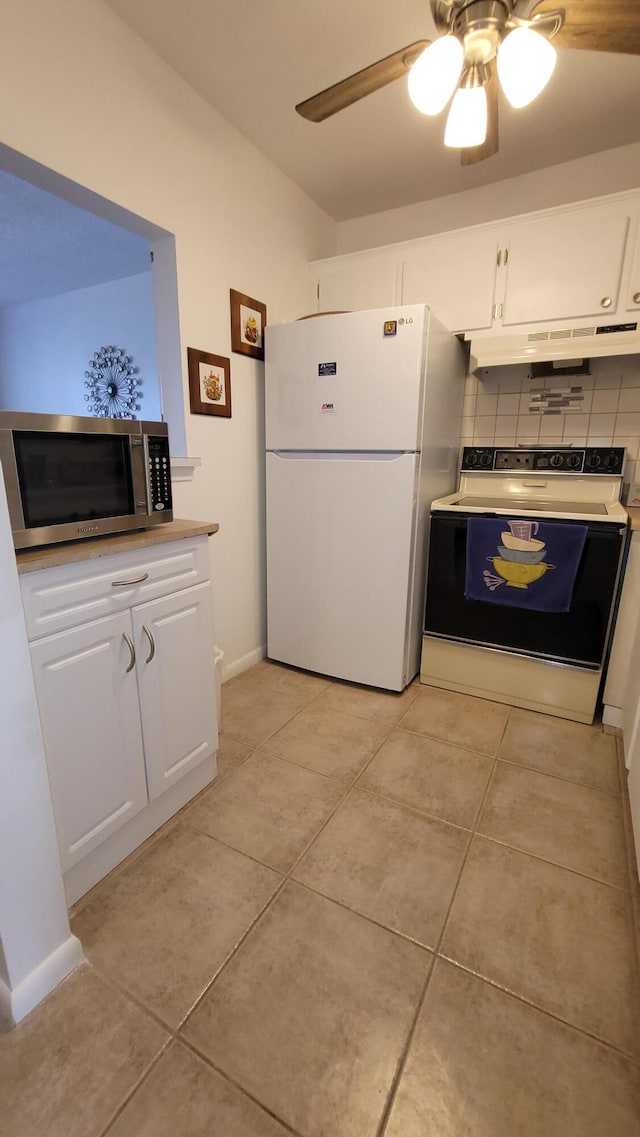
<point>127,701</point>
<point>175,669</point>
<point>90,717</point>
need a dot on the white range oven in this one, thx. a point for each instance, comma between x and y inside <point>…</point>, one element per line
<point>495,641</point>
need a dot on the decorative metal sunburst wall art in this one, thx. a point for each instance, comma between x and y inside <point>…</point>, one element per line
<point>113,389</point>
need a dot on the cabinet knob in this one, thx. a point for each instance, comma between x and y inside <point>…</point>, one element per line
<point>606,302</point>
<point>636,298</point>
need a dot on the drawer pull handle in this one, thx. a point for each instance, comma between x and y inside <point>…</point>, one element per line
<point>129,642</point>
<point>636,298</point>
<point>152,643</point>
<point>128,583</point>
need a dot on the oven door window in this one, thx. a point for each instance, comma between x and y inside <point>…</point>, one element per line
<point>73,477</point>
<point>578,636</point>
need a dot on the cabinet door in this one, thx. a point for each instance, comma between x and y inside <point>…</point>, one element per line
<point>176,681</point>
<point>90,717</point>
<point>455,275</point>
<point>359,284</point>
<point>565,267</point>
<point>633,286</point>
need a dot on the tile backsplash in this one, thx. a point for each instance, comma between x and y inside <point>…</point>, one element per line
<point>497,409</point>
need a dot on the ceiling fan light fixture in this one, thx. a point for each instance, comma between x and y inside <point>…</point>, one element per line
<point>467,119</point>
<point>435,75</point>
<point>525,65</point>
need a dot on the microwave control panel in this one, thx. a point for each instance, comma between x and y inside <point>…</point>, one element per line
<point>159,473</point>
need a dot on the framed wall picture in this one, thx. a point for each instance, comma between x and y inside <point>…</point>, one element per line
<point>209,383</point>
<point>248,321</point>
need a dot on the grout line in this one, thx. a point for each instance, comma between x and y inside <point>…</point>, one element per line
<point>559,777</point>
<point>548,861</point>
<point>259,752</point>
<point>364,916</point>
<point>168,1046</point>
<point>236,1085</point>
<point>443,741</point>
<point>203,994</point>
<point>117,985</point>
<point>234,849</point>
<point>310,769</point>
<point>379,796</point>
<point>628,1054</point>
<point>391,1096</point>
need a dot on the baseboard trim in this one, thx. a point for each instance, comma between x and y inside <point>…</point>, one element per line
<point>16,1003</point>
<point>612,716</point>
<point>245,661</point>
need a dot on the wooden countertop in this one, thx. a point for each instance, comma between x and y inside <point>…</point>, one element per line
<point>68,552</point>
<point>634,517</point>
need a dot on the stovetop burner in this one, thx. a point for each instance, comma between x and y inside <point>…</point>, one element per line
<point>479,502</point>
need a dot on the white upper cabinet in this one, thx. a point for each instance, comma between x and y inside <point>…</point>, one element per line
<point>572,263</point>
<point>565,266</point>
<point>632,273</point>
<point>455,276</point>
<point>359,283</point>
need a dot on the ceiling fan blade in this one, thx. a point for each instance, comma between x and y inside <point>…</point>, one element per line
<point>364,82</point>
<point>597,25</point>
<point>472,154</point>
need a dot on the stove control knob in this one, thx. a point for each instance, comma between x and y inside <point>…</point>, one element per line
<point>574,461</point>
<point>556,460</point>
<point>472,459</point>
<point>485,459</point>
<point>593,460</point>
<point>611,462</point>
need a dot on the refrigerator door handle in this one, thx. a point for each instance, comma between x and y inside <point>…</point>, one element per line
<point>342,455</point>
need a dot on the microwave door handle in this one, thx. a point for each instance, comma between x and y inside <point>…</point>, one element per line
<point>141,480</point>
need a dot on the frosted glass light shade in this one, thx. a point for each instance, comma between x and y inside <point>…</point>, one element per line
<point>435,74</point>
<point>525,65</point>
<point>467,121</point>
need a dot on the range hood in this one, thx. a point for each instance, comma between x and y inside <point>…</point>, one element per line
<point>565,345</point>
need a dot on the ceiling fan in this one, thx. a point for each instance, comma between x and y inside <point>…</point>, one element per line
<point>486,45</point>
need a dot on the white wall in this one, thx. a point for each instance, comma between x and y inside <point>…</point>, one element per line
<point>36,947</point>
<point>610,172</point>
<point>139,136</point>
<point>46,345</point>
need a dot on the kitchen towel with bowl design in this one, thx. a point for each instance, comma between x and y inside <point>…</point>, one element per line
<point>522,563</point>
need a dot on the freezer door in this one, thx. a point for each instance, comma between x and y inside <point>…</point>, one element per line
<point>341,383</point>
<point>340,559</point>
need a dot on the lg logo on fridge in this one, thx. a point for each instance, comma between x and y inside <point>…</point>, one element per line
<point>408,320</point>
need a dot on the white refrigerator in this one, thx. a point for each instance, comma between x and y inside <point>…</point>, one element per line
<point>362,415</point>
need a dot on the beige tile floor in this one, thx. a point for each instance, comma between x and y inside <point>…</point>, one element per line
<point>404,915</point>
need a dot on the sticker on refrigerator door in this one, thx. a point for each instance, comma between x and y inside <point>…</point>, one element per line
<point>327,369</point>
<point>390,328</point>
<point>328,409</point>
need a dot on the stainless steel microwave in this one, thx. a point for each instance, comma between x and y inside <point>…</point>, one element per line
<point>69,477</point>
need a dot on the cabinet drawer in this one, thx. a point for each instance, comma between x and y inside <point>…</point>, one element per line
<point>62,597</point>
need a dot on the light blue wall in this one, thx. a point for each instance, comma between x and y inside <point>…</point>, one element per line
<point>46,346</point>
